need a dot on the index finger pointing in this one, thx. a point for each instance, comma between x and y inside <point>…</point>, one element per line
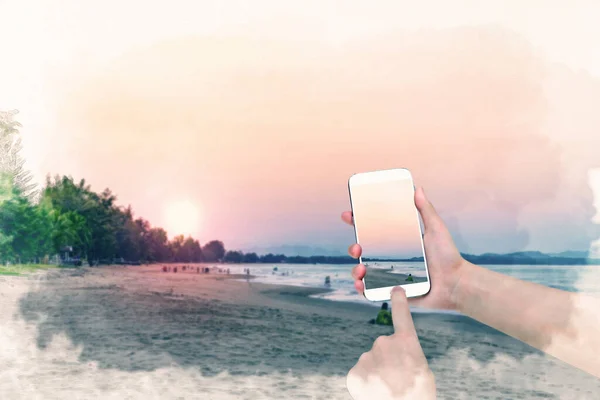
<point>401,317</point>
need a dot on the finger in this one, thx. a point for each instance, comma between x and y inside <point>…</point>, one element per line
<point>355,250</point>
<point>347,217</point>
<point>360,286</point>
<point>431,219</point>
<point>401,317</point>
<point>359,272</point>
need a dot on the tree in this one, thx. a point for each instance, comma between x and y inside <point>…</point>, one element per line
<point>11,161</point>
<point>158,245</point>
<point>272,258</point>
<point>6,194</point>
<point>101,219</point>
<point>234,257</point>
<point>142,230</point>
<point>70,229</point>
<point>214,251</point>
<point>251,258</point>
<point>129,235</point>
<point>176,245</point>
<point>190,251</point>
<point>27,230</point>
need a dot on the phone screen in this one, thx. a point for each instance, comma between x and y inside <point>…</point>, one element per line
<point>388,230</point>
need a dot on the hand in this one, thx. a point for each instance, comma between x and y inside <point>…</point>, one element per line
<point>444,261</point>
<point>396,367</point>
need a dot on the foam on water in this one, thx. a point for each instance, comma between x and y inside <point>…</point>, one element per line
<point>584,279</point>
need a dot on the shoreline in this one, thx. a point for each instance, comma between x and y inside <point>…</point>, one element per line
<point>131,332</point>
<point>258,292</point>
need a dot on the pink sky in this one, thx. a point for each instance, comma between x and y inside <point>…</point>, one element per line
<point>256,124</point>
<point>386,219</point>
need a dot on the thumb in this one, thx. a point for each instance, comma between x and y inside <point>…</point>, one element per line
<point>431,219</point>
<point>401,317</point>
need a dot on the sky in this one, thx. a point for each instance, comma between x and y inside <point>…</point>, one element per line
<point>243,120</point>
<point>386,219</point>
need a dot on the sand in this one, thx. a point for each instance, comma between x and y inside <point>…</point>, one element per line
<point>139,333</point>
<point>378,278</point>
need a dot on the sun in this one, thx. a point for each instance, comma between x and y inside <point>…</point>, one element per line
<point>182,218</point>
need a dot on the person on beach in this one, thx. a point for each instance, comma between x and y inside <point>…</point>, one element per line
<point>409,278</point>
<point>563,324</point>
<point>384,316</point>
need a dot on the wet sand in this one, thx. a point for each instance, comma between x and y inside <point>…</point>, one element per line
<point>140,333</point>
<point>379,277</point>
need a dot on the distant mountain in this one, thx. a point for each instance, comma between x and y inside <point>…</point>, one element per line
<point>572,254</point>
<point>303,254</point>
<point>296,250</point>
<point>530,258</point>
<point>524,258</point>
<point>539,254</point>
<point>518,254</point>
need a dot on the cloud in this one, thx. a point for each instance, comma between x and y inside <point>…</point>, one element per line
<point>264,133</point>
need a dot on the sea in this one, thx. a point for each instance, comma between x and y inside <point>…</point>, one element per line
<point>573,278</point>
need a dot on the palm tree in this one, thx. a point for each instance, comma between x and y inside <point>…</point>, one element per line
<point>11,162</point>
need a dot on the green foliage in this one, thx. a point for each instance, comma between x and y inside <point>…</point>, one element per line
<point>251,258</point>
<point>11,161</point>
<point>68,217</point>
<point>22,269</point>
<point>97,229</point>
<point>213,251</point>
<point>234,257</point>
<point>157,245</point>
<point>25,228</point>
<point>6,193</point>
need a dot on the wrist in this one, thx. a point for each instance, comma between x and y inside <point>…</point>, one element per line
<point>457,295</point>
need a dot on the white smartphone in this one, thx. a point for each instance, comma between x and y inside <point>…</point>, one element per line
<point>387,226</point>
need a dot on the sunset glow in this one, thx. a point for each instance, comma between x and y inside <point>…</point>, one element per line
<point>386,219</point>
<point>269,108</point>
<point>182,218</point>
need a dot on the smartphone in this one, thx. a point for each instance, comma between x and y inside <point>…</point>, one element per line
<point>387,226</point>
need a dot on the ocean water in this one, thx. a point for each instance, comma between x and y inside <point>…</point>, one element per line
<point>584,279</point>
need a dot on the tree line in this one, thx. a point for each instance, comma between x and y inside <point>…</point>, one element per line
<point>70,219</point>
<point>67,219</point>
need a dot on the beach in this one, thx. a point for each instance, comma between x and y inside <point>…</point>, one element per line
<point>139,333</point>
<point>380,277</point>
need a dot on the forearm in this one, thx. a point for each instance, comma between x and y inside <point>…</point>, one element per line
<point>563,324</point>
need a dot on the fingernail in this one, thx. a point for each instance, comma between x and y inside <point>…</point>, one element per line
<point>398,289</point>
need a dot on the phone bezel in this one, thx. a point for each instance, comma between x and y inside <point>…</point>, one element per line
<point>411,289</point>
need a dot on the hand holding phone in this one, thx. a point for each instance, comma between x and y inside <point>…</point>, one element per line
<point>387,226</point>
<point>445,264</point>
